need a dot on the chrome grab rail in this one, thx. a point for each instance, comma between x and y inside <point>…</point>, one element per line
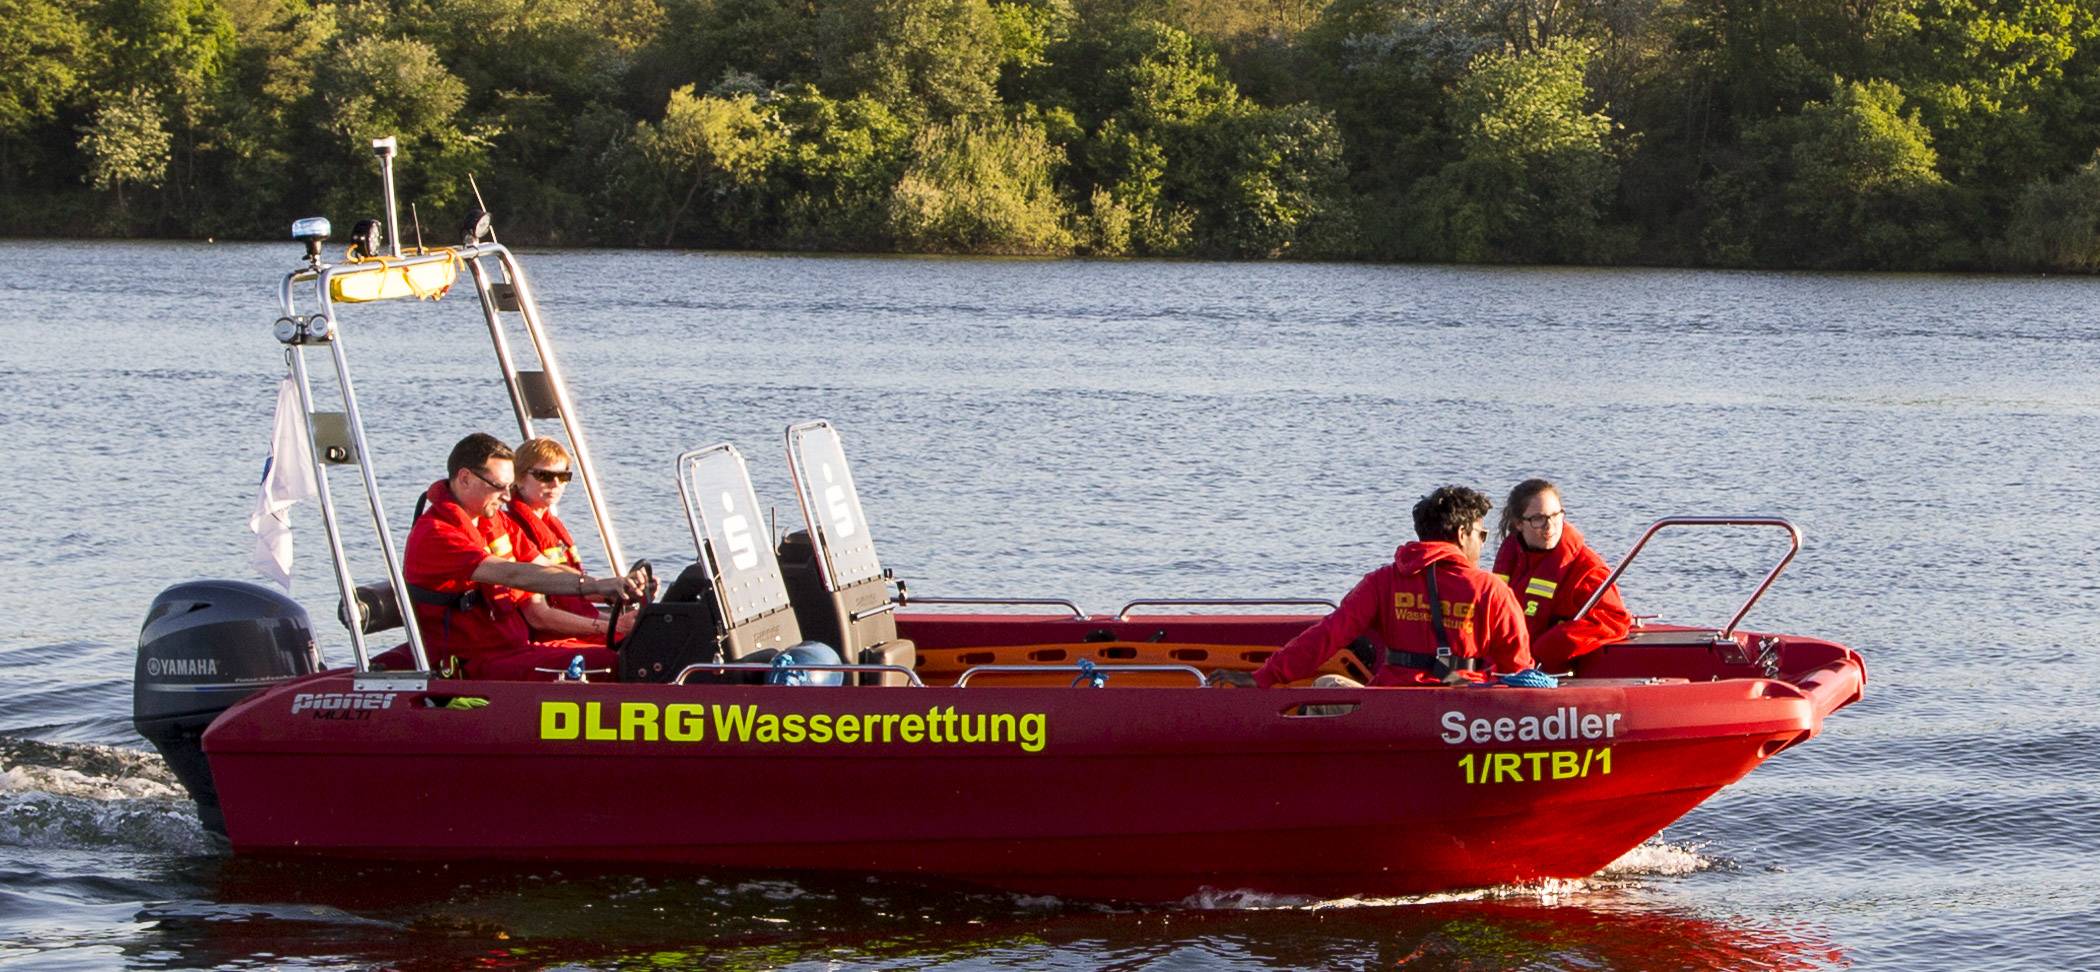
<point>689,670</point>
<point>1793,535</point>
<point>906,599</point>
<point>883,608</point>
<point>963,680</point>
<point>1124,615</point>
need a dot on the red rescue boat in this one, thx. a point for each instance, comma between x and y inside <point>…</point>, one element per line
<point>1066,752</point>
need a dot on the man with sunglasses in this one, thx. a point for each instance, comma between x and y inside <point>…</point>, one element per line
<point>472,575</point>
<point>1436,617</point>
<point>1553,572</point>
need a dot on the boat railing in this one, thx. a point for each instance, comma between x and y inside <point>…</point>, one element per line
<point>1124,614</point>
<point>1727,632</point>
<point>338,438</point>
<point>905,598</point>
<point>695,669</point>
<point>1084,671</point>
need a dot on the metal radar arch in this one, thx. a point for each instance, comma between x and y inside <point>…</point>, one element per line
<point>337,438</point>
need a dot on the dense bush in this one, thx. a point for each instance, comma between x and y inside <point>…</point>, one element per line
<point>1951,133</point>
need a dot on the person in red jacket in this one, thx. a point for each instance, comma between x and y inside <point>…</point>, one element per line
<point>1439,617</point>
<point>543,475</point>
<point>471,576</point>
<point>1553,572</point>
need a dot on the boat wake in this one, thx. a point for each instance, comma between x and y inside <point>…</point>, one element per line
<point>83,796</point>
<point>1653,859</point>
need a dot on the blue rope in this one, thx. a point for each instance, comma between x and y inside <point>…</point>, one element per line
<point>575,672</point>
<point>1531,678</point>
<point>786,675</point>
<point>1089,674</point>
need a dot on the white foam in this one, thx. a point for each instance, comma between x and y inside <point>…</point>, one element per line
<point>88,796</point>
<point>1547,892</point>
<point>1659,858</point>
<point>59,781</point>
<point>1655,858</point>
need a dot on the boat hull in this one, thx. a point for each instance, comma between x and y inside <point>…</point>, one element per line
<point>1121,792</point>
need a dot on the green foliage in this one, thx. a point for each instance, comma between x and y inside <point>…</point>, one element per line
<point>372,86</point>
<point>833,182</point>
<point>174,49</point>
<point>1536,170</point>
<point>981,187</point>
<point>724,144</point>
<point>43,45</point>
<point>2056,223</point>
<point>126,144</point>
<point>1913,133</point>
<point>1855,181</point>
<point>937,59</point>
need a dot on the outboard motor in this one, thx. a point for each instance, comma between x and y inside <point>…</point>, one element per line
<point>206,645</point>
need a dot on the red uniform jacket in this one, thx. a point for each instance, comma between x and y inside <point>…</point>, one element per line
<point>1552,585</point>
<point>444,547</point>
<point>557,549</point>
<point>1480,616</point>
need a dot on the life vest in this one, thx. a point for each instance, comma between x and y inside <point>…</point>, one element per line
<point>1536,576</point>
<point>460,615</point>
<point>1440,664</point>
<point>557,549</point>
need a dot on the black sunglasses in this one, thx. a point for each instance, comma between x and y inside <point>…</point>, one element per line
<point>551,476</point>
<point>504,488</point>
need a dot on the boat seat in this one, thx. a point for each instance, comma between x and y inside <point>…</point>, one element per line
<point>854,618</point>
<point>735,582</point>
<point>838,586</point>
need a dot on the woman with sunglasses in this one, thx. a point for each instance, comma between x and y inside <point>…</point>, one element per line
<point>543,475</point>
<point>1553,573</point>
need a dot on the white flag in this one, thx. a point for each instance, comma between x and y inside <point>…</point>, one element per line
<point>288,477</point>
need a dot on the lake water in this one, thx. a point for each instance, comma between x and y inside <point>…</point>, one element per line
<point>1105,431</point>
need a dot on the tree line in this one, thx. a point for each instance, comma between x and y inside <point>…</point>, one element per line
<point>1911,134</point>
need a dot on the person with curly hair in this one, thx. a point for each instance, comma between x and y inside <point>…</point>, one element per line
<point>1434,616</point>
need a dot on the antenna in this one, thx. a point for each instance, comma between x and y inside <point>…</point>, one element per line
<point>482,205</point>
<point>384,148</point>
<point>418,220</point>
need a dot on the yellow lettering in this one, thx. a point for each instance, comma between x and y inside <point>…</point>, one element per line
<point>685,722</point>
<point>1565,765</point>
<point>734,722</point>
<point>638,721</point>
<point>791,728</point>
<point>558,720</point>
<point>768,728</point>
<point>1035,732</point>
<point>594,727</point>
<point>1508,768</point>
<point>820,728</point>
<point>914,728</point>
<point>847,729</point>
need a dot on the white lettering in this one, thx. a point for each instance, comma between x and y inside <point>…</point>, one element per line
<point>1562,724</point>
<point>337,701</point>
<point>1454,727</point>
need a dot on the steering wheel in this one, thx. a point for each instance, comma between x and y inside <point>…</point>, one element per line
<point>612,624</point>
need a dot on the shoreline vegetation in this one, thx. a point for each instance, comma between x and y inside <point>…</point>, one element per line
<point>1884,134</point>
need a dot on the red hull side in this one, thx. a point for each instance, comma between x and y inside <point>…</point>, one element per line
<point>1133,792</point>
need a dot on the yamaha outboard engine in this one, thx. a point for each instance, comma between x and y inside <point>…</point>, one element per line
<point>206,645</point>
